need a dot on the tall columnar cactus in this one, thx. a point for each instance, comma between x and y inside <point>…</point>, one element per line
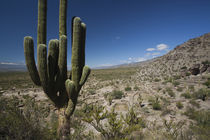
<point>52,68</point>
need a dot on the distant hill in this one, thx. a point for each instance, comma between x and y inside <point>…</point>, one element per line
<point>191,57</point>
<point>4,67</point>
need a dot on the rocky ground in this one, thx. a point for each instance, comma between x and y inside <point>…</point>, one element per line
<point>154,100</point>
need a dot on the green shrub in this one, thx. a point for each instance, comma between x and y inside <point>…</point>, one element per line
<point>194,103</point>
<point>127,88</point>
<point>173,130</point>
<point>188,73</point>
<point>155,104</point>
<point>207,83</point>
<point>179,105</point>
<point>167,111</point>
<point>176,77</point>
<point>186,95</point>
<point>206,62</point>
<point>180,89</point>
<point>191,88</point>
<point>157,80</point>
<point>116,94</point>
<point>201,94</point>
<point>136,88</point>
<point>202,117</point>
<point>23,119</point>
<point>170,92</point>
<point>175,83</point>
<point>116,127</point>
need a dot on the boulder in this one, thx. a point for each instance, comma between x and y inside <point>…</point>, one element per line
<point>208,70</point>
<point>195,69</point>
<point>204,68</point>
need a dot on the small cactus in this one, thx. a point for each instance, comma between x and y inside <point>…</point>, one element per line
<point>52,66</point>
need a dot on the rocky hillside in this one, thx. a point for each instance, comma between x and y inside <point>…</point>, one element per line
<point>191,57</point>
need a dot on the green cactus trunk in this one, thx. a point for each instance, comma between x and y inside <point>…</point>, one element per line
<point>42,22</point>
<point>52,65</point>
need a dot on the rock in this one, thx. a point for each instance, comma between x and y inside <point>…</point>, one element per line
<point>208,70</point>
<point>204,68</point>
<point>1,92</point>
<point>143,104</point>
<point>195,69</point>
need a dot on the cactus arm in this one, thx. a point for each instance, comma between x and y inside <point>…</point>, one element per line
<point>30,62</point>
<point>85,74</point>
<point>83,34</point>
<point>42,22</point>
<point>62,17</point>
<point>53,50</point>
<point>76,60</point>
<point>70,87</point>
<point>70,108</point>
<point>62,62</point>
<point>42,65</point>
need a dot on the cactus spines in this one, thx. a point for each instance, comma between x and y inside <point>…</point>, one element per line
<point>52,65</point>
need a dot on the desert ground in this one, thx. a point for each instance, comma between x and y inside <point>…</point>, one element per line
<point>116,104</point>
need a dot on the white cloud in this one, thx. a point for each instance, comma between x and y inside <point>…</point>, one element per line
<point>132,60</point>
<point>150,49</point>
<point>161,47</point>
<point>148,54</point>
<point>155,53</point>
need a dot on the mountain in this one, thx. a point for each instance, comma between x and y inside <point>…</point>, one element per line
<point>191,57</point>
<point>4,67</point>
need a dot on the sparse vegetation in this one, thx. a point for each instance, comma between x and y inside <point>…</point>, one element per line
<point>136,88</point>
<point>170,92</point>
<point>180,89</point>
<point>156,104</point>
<point>194,103</point>
<point>179,105</point>
<point>202,128</point>
<point>24,119</point>
<point>128,88</point>
<point>201,94</point>
<point>186,95</point>
<point>207,83</point>
<point>175,83</point>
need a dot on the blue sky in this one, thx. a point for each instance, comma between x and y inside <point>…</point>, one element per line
<point>118,31</point>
